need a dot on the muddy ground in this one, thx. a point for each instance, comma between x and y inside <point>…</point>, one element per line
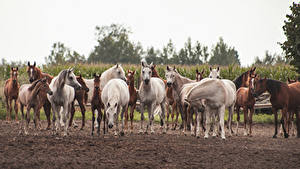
<point>172,150</point>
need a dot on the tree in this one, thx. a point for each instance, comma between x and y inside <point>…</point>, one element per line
<point>291,29</point>
<point>114,46</point>
<point>270,59</point>
<point>168,52</point>
<point>152,56</point>
<point>223,55</point>
<point>60,54</point>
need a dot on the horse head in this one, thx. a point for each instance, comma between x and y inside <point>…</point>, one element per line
<point>82,83</point>
<point>170,75</point>
<point>68,77</point>
<point>199,75</point>
<point>118,72</point>
<point>214,73</point>
<point>146,72</point>
<point>14,74</point>
<point>44,86</point>
<point>111,112</point>
<point>97,81</point>
<point>130,77</point>
<point>290,81</point>
<point>259,86</point>
<point>32,72</point>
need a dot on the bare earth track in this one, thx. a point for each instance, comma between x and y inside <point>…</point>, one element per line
<point>81,150</point>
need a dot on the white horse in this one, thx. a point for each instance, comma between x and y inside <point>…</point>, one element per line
<point>231,89</point>
<point>152,94</point>
<point>115,95</point>
<point>63,95</point>
<point>211,94</point>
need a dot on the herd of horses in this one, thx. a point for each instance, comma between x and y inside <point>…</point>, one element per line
<point>206,99</point>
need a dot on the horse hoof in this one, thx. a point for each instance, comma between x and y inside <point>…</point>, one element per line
<point>198,136</point>
<point>205,137</point>
<point>141,131</point>
<point>122,133</point>
<point>286,135</point>
<point>223,138</point>
<point>274,136</point>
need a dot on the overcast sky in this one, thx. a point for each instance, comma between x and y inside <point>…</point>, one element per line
<point>29,28</point>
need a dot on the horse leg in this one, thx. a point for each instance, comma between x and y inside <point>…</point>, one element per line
<point>82,108</point>
<point>275,121</point>
<point>174,109</point>
<point>16,109</point>
<point>214,121</point>
<point>23,119</point>
<point>250,119</point>
<point>142,117</point>
<point>238,119</point>
<point>124,109</point>
<point>221,116</point>
<point>93,120</point>
<point>36,113</point>
<point>168,114</point>
<point>9,109</point>
<point>191,121</point>
<point>126,118</point>
<point>208,121</point>
<point>47,109</point>
<point>230,116</point>
<point>66,116</point>
<point>198,126</point>
<point>162,117</point>
<point>27,120</point>
<point>284,121</point>
<point>177,115</point>
<point>131,117</point>
<point>117,121</point>
<point>72,115</point>
<point>298,123</point>
<point>150,109</point>
<point>292,122</point>
<point>245,109</point>
<point>99,118</point>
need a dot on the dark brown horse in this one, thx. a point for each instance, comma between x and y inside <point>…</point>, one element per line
<point>133,98</point>
<point>170,100</point>
<point>32,96</point>
<point>280,98</point>
<point>80,96</point>
<point>96,104</point>
<point>246,100</point>
<point>34,73</point>
<point>11,92</point>
<point>199,75</point>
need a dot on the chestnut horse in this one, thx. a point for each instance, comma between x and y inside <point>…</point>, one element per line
<point>244,79</point>
<point>133,98</point>
<point>34,73</point>
<point>246,100</point>
<point>96,104</point>
<point>32,96</point>
<point>80,96</point>
<point>11,92</point>
<point>281,95</point>
<point>294,85</point>
<point>170,100</point>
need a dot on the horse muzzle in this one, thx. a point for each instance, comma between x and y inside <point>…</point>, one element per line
<point>147,81</point>
<point>50,92</point>
<point>110,126</point>
<point>169,84</point>
<point>87,89</point>
<point>31,80</point>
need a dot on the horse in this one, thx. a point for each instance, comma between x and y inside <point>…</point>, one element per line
<point>213,95</point>
<point>63,97</point>
<point>244,79</point>
<point>152,94</point>
<point>115,95</point>
<point>280,97</point>
<point>112,73</point>
<point>171,100</point>
<point>96,104</point>
<point>34,73</point>
<point>133,98</point>
<point>80,96</point>
<point>245,99</point>
<point>33,96</point>
<point>176,81</point>
<point>231,90</point>
<point>291,114</point>
<point>199,75</point>
<point>11,92</point>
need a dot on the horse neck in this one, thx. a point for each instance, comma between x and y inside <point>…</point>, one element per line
<point>34,93</point>
<point>48,77</point>
<point>273,87</point>
<point>96,94</point>
<point>180,81</point>
<point>14,84</point>
<point>131,87</point>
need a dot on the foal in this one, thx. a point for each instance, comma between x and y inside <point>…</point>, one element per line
<point>80,96</point>
<point>132,100</point>
<point>32,96</point>
<point>246,100</point>
<point>96,104</point>
<point>11,92</point>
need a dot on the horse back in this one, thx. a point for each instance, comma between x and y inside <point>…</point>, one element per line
<point>294,93</point>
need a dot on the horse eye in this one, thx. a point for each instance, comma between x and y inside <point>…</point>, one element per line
<point>108,104</point>
<point>71,78</point>
<point>116,105</point>
<point>143,71</point>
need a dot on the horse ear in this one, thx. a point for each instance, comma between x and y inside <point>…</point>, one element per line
<point>253,69</point>
<point>34,64</point>
<point>151,64</point>
<point>210,68</point>
<point>80,75</point>
<point>168,69</point>
<point>12,68</point>
<point>44,80</point>
<point>143,64</point>
<point>94,75</point>
<point>128,71</point>
<point>202,72</point>
<point>133,72</point>
<point>117,65</point>
<point>154,66</point>
<point>71,69</point>
<point>197,71</point>
<point>28,63</point>
<point>174,67</point>
<point>289,80</point>
<point>17,68</point>
<point>218,69</point>
<point>265,78</point>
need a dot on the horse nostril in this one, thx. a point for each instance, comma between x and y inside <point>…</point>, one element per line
<point>110,126</point>
<point>169,84</point>
<point>50,93</point>
<point>146,81</point>
<point>87,89</point>
<point>97,87</point>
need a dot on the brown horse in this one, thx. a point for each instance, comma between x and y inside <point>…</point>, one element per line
<point>170,101</point>
<point>199,75</point>
<point>34,73</point>
<point>11,92</point>
<point>280,97</point>
<point>133,98</point>
<point>246,100</point>
<point>294,85</point>
<point>80,96</point>
<point>32,96</point>
<point>96,104</point>
<point>244,79</point>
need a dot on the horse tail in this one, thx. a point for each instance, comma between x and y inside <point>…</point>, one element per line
<point>186,102</point>
<point>157,110</point>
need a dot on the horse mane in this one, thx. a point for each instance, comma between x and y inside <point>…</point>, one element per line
<point>62,76</point>
<point>274,86</point>
<point>239,80</point>
<point>34,84</point>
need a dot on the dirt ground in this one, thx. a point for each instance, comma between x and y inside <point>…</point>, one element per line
<point>172,150</point>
